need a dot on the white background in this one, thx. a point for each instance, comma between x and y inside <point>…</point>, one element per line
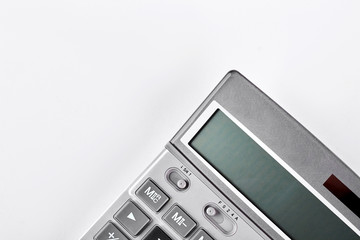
<point>91,91</point>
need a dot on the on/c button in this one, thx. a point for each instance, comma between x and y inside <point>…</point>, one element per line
<point>152,195</point>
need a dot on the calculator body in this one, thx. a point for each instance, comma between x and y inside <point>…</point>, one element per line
<point>240,168</point>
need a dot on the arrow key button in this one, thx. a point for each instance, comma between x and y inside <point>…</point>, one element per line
<point>132,218</point>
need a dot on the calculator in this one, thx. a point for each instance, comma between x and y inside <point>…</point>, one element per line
<point>241,168</point>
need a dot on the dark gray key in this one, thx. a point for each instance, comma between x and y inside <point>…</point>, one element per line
<point>132,218</point>
<point>110,232</point>
<point>201,235</point>
<point>180,221</point>
<point>157,234</point>
<point>153,196</point>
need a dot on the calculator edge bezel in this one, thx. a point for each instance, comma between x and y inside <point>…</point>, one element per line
<point>239,97</point>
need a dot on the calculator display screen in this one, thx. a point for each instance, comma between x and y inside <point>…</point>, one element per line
<point>266,183</point>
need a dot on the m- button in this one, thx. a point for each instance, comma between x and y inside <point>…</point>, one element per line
<point>180,221</point>
<point>152,195</point>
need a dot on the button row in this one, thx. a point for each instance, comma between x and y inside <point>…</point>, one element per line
<point>134,220</point>
<point>176,217</point>
<point>110,232</point>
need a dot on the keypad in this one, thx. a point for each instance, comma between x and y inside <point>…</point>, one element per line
<point>157,234</point>
<point>132,218</point>
<point>180,221</point>
<point>152,195</point>
<point>110,232</point>
<point>135,221</point>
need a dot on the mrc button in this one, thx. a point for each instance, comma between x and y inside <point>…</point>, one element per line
<point>152,195</point>
<point>180,221</point>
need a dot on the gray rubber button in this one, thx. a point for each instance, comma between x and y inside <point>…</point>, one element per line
<point>153,196</point>
<point>110,232</point>
<point>180,221</point>
<point>132,218</point>
<point>157,234</point>
<point>201,235</point>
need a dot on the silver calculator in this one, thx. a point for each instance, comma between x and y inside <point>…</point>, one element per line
<point>241,168</point>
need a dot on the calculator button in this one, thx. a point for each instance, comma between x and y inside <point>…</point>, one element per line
<point>201,235</point>
<point>110,232</point>
<point>180,221</point>
<point>153,196</point>
<point>158,234</point>
<point>132,218</point>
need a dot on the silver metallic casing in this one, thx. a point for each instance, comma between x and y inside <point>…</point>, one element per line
<point>296,147</point>
<point>192,200</point>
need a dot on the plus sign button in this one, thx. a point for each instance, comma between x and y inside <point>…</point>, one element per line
<point>110,232</point>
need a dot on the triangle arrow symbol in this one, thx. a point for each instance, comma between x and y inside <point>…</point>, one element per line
<point>131,216</point>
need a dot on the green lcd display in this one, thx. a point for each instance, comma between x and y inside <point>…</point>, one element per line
<point>267,184</point>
